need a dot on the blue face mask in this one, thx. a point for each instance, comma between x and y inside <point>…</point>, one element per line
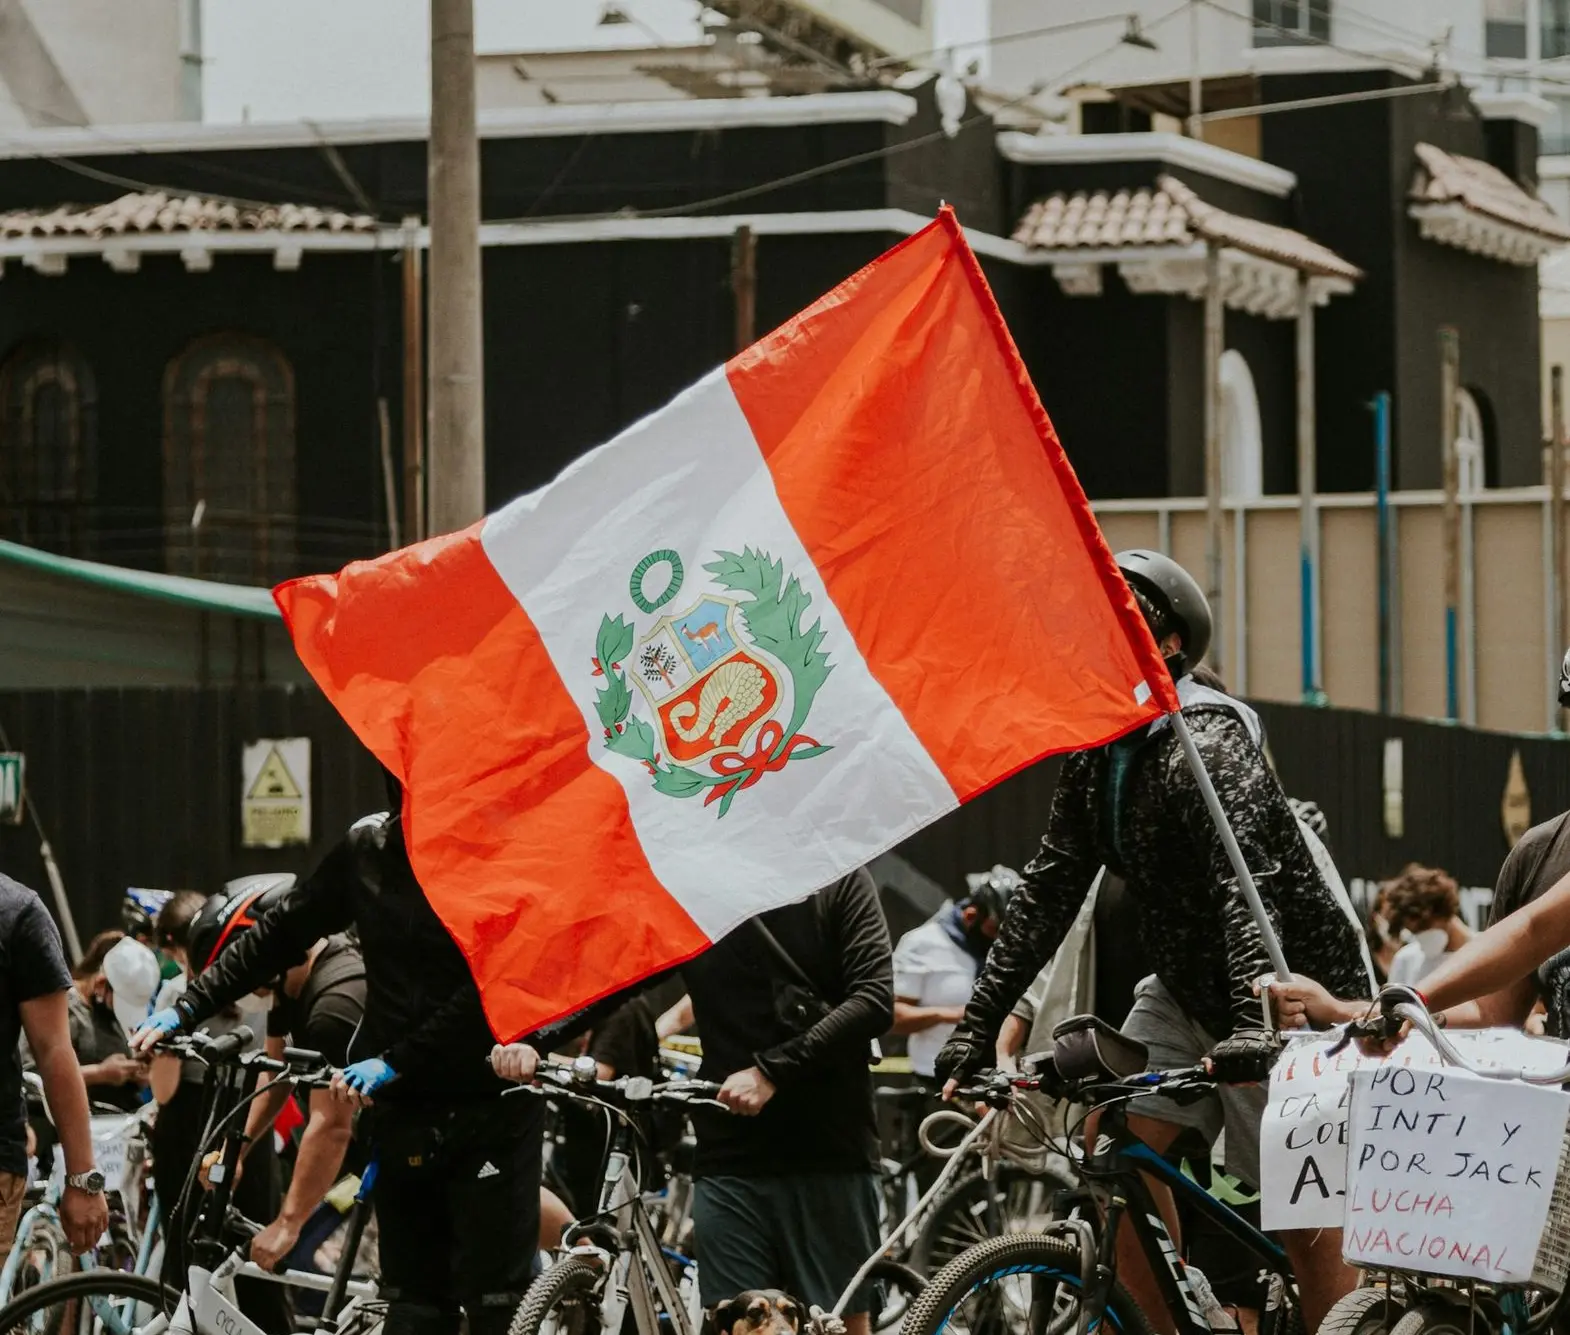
<point>969,939</point>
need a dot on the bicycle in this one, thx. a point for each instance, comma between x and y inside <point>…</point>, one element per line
<point>1412,1302</point>
<point>39,1250</point>
<point>119,1303</point>
<point>615,1262</point>
<point>1064,1277</point>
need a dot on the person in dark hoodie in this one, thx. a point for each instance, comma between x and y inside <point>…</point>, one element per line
<point>451,1151</point>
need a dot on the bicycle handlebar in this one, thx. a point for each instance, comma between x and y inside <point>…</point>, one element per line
<point>1418,1016</point>
<point>999,1086</point>
<point>578,1079</point>
<point>301,1066</point>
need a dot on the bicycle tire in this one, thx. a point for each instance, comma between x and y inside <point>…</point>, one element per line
<point>1034,1254</point>
<point>1436,1319</point>
<point>901,1286</point>
<point>954,1224</point>
<point>15,1315</point>
<point>1363,1312</point>
<point>570,1278</point>
<point>46,1256</point>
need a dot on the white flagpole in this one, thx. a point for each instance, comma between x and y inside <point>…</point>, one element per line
<point>1245,879</point>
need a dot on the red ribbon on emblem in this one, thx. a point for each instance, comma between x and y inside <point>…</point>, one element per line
<point>745,770</point>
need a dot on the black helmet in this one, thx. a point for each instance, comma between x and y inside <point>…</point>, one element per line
<point>991,891</point>
<point>234,909</point>
<point>139,908</point>
<point>1564,680</point>
<point>1174,591</point>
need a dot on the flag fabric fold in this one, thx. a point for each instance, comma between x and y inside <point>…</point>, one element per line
<point>839,586</point>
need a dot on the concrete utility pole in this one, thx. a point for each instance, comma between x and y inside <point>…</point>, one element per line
<point>1555,582</point>
<point>456,441</point>
<point>1215,520</point>
<point>1449,383</point>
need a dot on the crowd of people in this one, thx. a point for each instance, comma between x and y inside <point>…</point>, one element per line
<point>1130,910</point>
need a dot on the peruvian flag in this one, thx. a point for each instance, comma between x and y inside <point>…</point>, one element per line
<point>839,586</point>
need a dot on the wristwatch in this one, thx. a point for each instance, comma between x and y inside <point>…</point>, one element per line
<point>92,1181</point>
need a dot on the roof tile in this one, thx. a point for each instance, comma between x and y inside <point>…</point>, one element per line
<point>144,213</point>
<point>1171,214</point>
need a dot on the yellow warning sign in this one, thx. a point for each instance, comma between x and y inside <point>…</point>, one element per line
<point>274,779</point>
<point>275,804</point>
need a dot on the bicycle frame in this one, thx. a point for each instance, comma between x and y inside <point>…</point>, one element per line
<point>1118,1166</point>
<point>45,1210</point>
<point>208,1305</point>
<point>638,1274</point>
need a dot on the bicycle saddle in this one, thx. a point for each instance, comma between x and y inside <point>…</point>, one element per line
<point>1086,1048</point>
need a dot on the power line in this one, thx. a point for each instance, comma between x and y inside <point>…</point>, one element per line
<point>854,159</point>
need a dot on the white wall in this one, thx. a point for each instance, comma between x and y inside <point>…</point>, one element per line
<point>1225,43</point>
<point>102,61</point>
<point>286,60</point>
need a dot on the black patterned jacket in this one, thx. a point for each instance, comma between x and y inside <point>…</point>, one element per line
<point>1195,925</point>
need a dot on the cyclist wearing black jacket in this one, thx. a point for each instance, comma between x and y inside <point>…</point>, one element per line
<point>457,1191</point>
<point>1135,807</point>
<point>317,1003</point>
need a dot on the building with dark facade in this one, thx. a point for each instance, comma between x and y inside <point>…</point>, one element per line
<point>202,337</point>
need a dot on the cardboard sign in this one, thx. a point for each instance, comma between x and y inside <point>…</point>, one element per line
<point>1452,1173</point>
<point>1304,1135</point>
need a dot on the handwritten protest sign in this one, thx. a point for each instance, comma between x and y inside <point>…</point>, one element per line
<point>1304,1136</point>
<point>1451,1173</point>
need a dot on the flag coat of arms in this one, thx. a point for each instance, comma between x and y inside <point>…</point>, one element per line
<point>836,588</point>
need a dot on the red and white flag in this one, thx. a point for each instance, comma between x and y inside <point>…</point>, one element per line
<point>836,588</point>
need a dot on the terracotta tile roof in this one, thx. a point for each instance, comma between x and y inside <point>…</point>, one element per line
<point>132,215</point>
<point>1446,178</point>
<point>1169,215</point>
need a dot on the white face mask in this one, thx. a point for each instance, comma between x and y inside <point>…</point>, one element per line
<point>251,1004</point>
<point>1432,940</point>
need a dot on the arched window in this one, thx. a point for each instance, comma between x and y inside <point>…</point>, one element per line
<point>1242,440</point>
<point>48,448</point>
<point>1474,442</point>
<point>229,461</point>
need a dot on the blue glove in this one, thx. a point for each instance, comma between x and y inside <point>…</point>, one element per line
<point>160,1024</point>
<point>366,1077</point>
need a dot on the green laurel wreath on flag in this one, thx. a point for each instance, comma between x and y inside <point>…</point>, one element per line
<point>773,608</point>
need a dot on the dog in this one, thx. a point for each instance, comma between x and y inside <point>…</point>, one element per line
<point>759,1312</point>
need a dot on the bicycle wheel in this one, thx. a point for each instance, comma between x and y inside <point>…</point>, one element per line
<point>975,1209</point>
<point>564,1300</point>
<point>1436,1319</point>
<point>95,1302</point>
<point>899,1287</point>
<point>1363,1312</point>
<point>1024,1285</point>
<point>43,1255</point>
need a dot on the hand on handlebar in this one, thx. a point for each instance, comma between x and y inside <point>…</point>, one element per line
<point>746,1092</point>
<point>157,1027</point>
<point>1243,1059</point>
<point>957,1061</point>
<point>355,1084</point>
<point>515,1061</point>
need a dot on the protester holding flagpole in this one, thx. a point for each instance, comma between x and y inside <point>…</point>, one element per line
<point>1136,806</point>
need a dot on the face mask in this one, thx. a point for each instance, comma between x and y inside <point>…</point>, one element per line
<point>1432,941</point>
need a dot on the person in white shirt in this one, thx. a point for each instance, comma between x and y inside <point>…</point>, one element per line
<point>1425,905</point>
<point>935,965</point>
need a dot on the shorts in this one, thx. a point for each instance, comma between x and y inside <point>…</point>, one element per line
<point>807,1234</point>
<point>1174,1041</point>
